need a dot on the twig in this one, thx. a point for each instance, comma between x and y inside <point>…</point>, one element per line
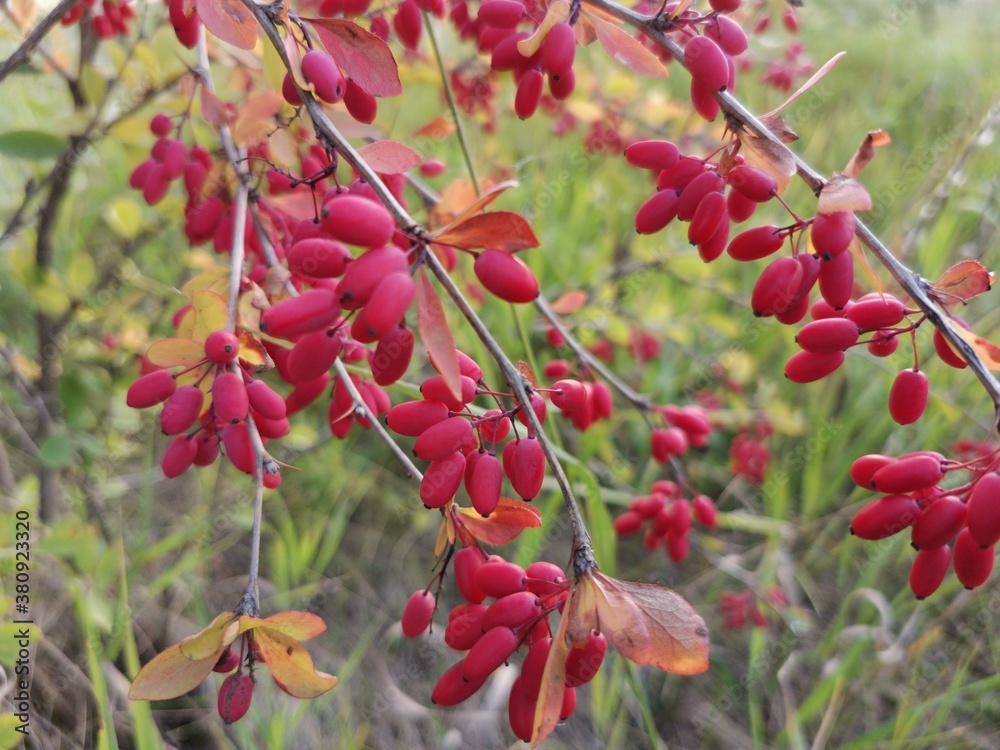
<point>23,53</point>
<point>912,283</point>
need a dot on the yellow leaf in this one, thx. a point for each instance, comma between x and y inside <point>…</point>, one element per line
<point>215,279</point>
<point>176,353</point>
<point>558,12</point>
<point>291,666</point>
<point>209,314</point>
<point>986,350</point>
<point>252,351</point>
<point>298,625</point>
<point>212,640</point>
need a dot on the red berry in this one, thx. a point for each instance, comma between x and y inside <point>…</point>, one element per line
<point>265,401</point>
<point>753,183</point>
<point>361,105</point>
<point>161,124</point>
<point>928,570</point>
<point>499,578</point>
<point>908,474</point>
<point>413,418</point>
<point>239,447</point>
<point>973,563</point>
<point>409,24</point>
<point>320,70</point>
<point>234,697</point>
<point>179,456</point>
<point>490,651</point>
<point>704,511</point>
<point>358,221</point>
<point>878,311</point>
<point>364,275</point>
<point>908,396</point>
<point>777,287</point>
<point>709,215</point>
<point>291,317</point>
<point>181,410</point>
<point>417,613</point>
<point>806,367</point>
<point>756,243</point>
<point>442,480</point>
<point>485,483</point>
<point>318,258</point>
<point>864,468</point>
<point>583,661</point>
<point>443,439</point>
<point>506,276</point>
<point>229,397</point>
<point>984,510</point>
<point>228,661</point>
<point>568,395</point>
<point>938,523</point>
<point>656,212</point>
<point>391,358</point>
<point>558,50</point>
<point>453,687</point>
<point>657,155</point>
<point>831,234</point>
<point>828,335</point>
<point>707,63</point>
<point>527,469</point>
<point>512,610</point>
<point>313,354</point>
<point>468,560</point>
<point>151,389</point>
<point>945,351</point>
<point>529,93</point>
<point>836,280</point>
<point>501,13</point>
<point>885,517</point>
<point>692,194</point>
<point>385,308</point>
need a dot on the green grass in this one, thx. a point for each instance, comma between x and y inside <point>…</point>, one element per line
<point>852,661</point>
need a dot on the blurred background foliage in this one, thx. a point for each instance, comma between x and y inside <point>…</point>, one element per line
<point>124,562</point>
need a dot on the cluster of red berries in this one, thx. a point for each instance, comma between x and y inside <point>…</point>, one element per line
<point>111,20</point>
<point>955,527</point>
<point>170,159</point>
<point>749,455</point>
<point>669,513</point>
<point>234,395</point>
<point>461,444</point>
<point>331,86</point>
<point>687,426</point>
<point>492,632</point>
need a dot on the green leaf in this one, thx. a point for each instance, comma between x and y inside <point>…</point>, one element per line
<point>33,145</point>
<point>56,451</point>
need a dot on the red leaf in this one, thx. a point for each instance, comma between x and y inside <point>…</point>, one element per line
<point>436,334</point>
<point>215,110</point>
<point>527,373</point>
<point>866,152</point>
<point>363,57</point>
<point>962,282</point>
<point>650,624</point>
<point>628,51</point>
<point>229,20</point>
<point>505,523</point>
<point>389,157</point>
<point>503,230</point>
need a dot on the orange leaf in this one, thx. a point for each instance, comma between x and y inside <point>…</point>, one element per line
<point>626,50</point>
<point>963,281</point>
<point>550,697</point>
<point>505,523</point>
<point>212,640</point>
<point>866,152</point>
<point>843,193</point>
<point>436,335</point>
<point>527,373</point>
<point>650,624</point>
<point>439,127</point>
<point>175,353</point>
<point>252,351</point>
<point>170,674</point>
<point>480,204</point>
<point>503,230</point>
<point>773,158</point>
<point>446,535</point>
<point>291,666</point>
<point>256,118</point>
<point>986,350</point>
<point>557,13</point>
<point>569,302</point>
<point>363,57</point>
<point>229,20</point>
<point>389,157</point>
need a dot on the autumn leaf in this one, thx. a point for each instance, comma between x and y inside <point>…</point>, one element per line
<point>291,665</point>
<point>213,639</point>
<point>866,152</point>
<point>569,302</point>
<point>504,524</point>
<point>986,350</point>
<point>389,157</point>
<point>256,118</point>
<point>436,335</point>
<point>628,51</point>
<point>175,353</point>
<point>363,57</point>
<point>210,314</point>
<point>229,20</point>
<point>524,369</point>
<point>813,80</point>
<point>646,623</point>
<point>502,230</point>
<point>439,127</point>
<point>963,281</point>
<point>215,110</point>
<point>773,158</point>
<point>461,190</point>
<point>843,193</point>
<point>550,697</point>
<point>557,13</point>
<point>302,626</point>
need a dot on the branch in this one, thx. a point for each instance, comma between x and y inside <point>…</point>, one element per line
<point>23,53</point>
<point>912,283</point>
<point>327,133</point>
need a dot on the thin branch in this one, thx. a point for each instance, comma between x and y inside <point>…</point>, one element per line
<point>23,53</point>
<point>912,283</point>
